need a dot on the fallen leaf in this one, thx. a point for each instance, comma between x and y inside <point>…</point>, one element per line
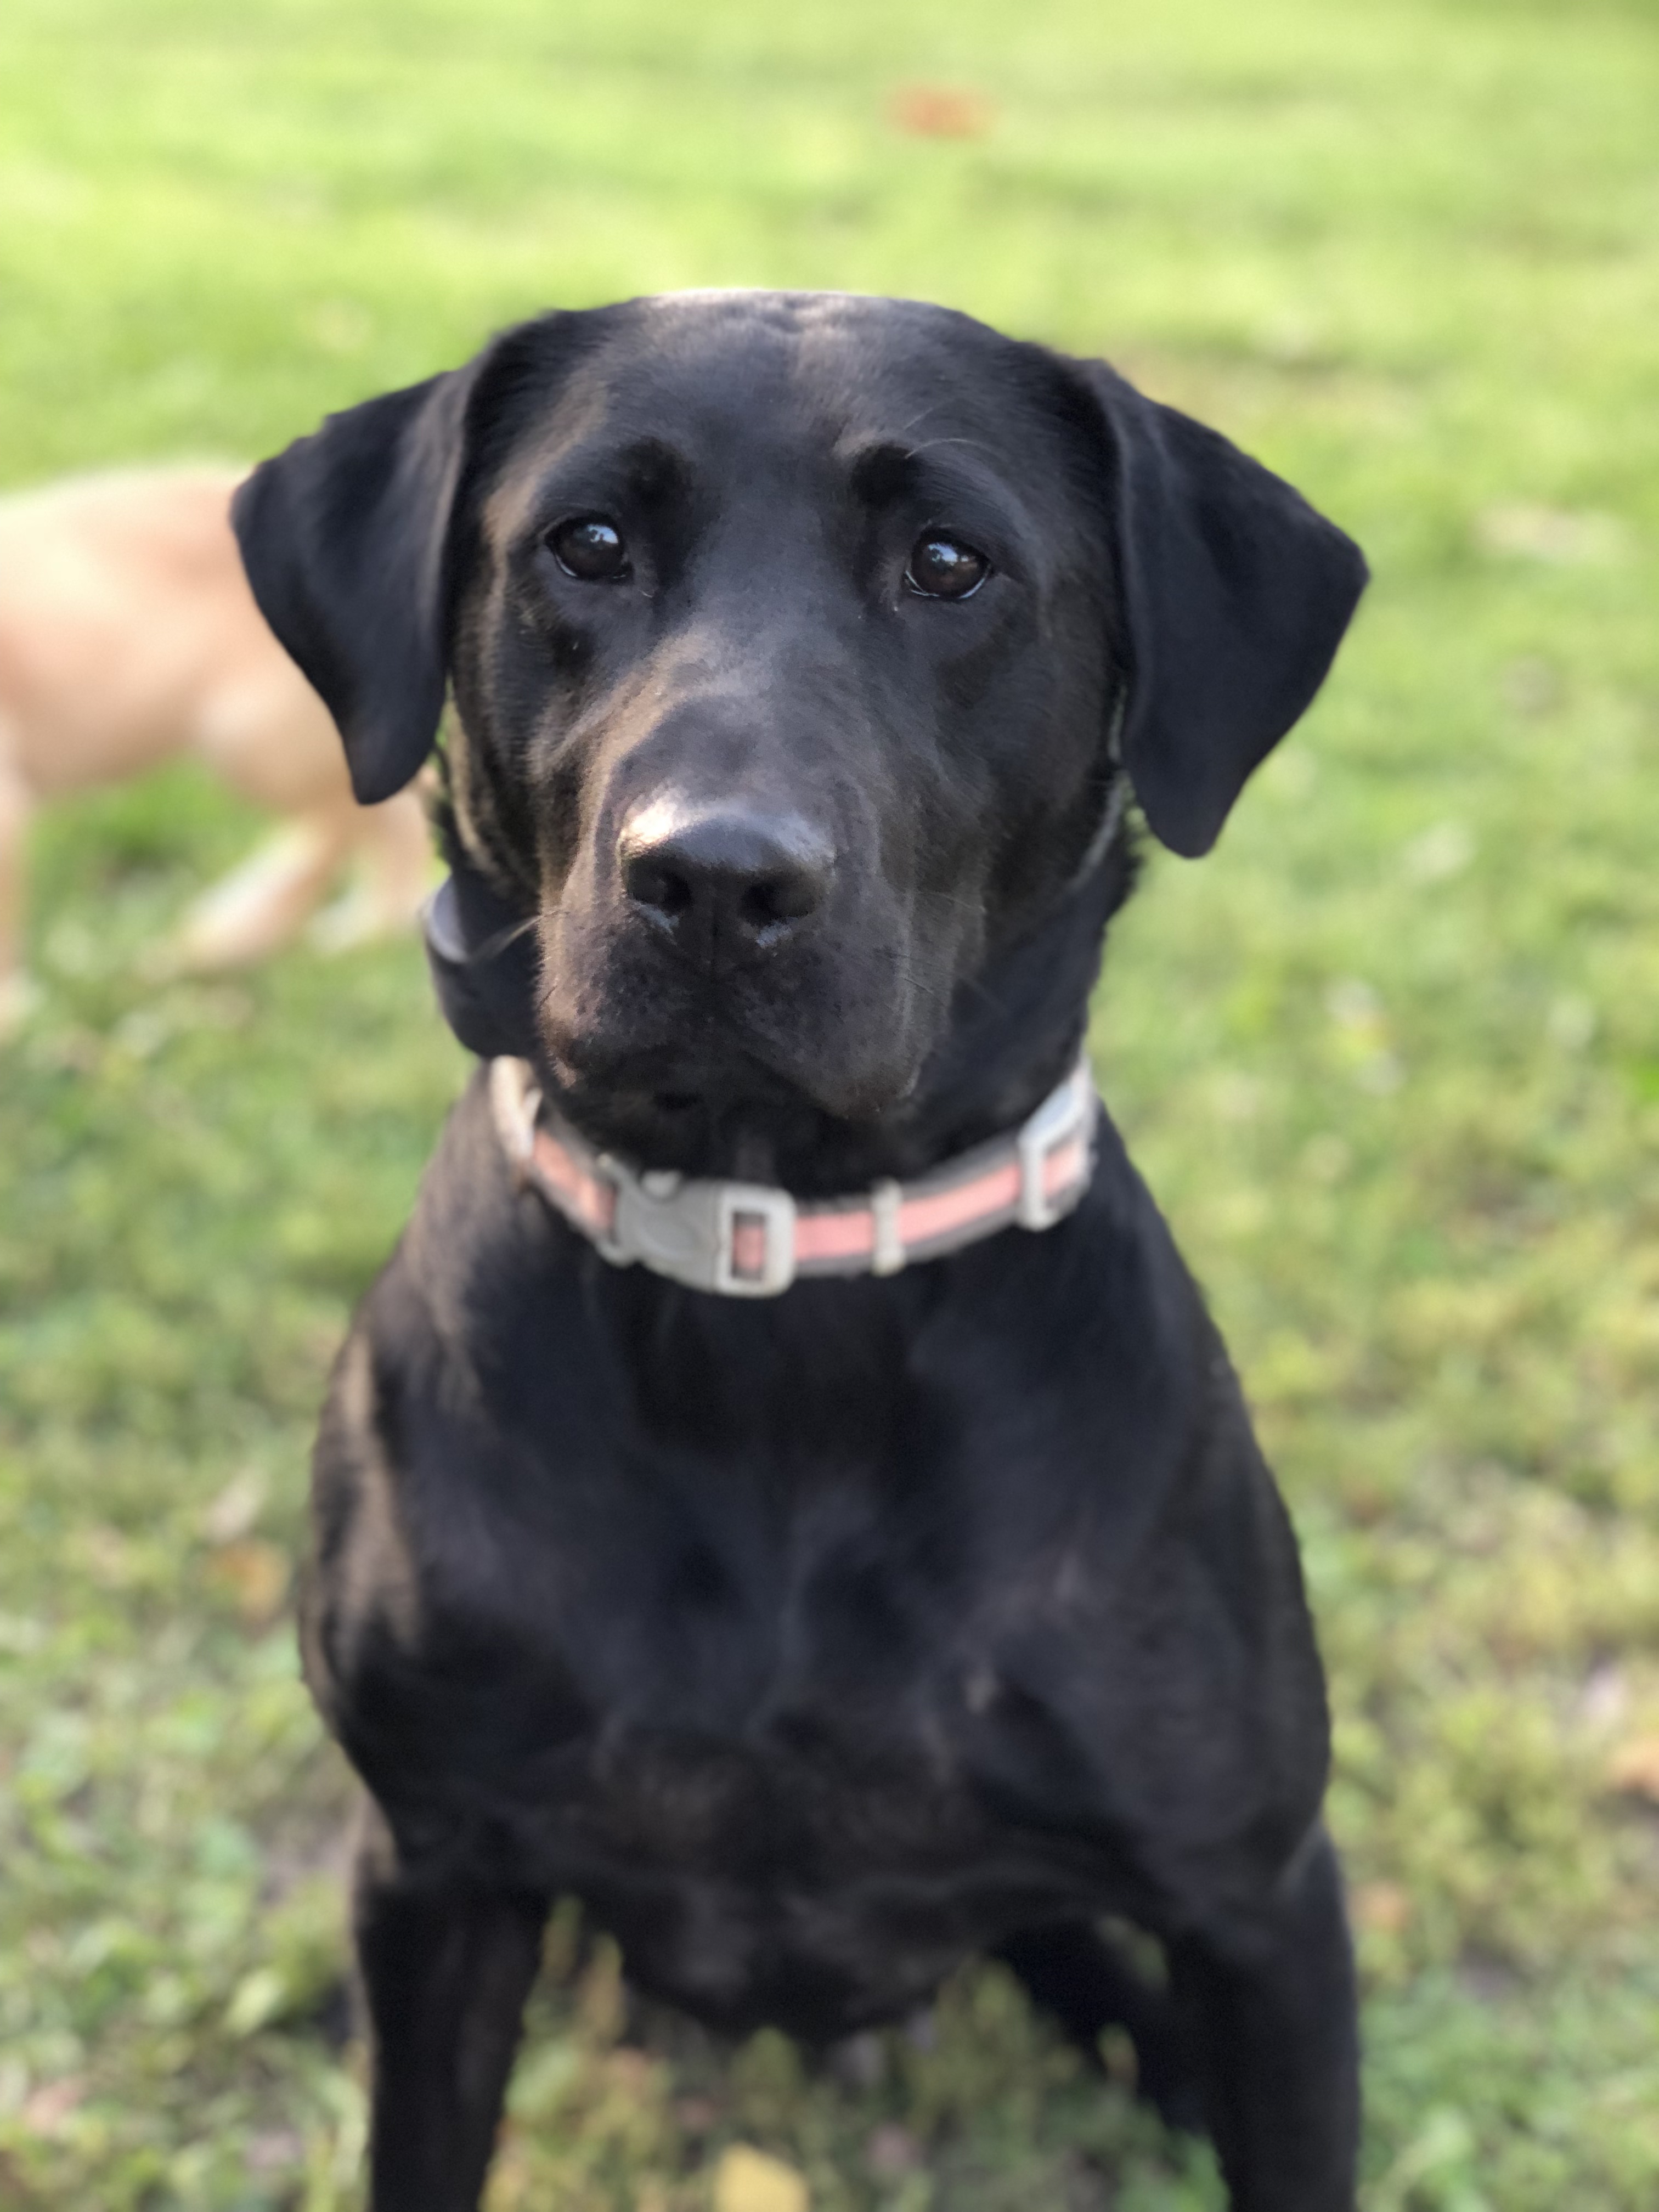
<point>747,2180</point>
<point>255,1575</point>
<point>45,2111</point>
<point>1384,1907</point>
<point>937,110</point>
<point>1634,1768</point>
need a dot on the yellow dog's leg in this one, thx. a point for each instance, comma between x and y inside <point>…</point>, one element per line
<point>263,903</point>
<point>16,992</point>
<point>393,848</point>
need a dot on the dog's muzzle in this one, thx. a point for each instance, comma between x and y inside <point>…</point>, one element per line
<point>740,1240</point>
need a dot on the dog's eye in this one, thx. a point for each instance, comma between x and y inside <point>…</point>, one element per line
<point>592,549</point>
<point>944,569</point>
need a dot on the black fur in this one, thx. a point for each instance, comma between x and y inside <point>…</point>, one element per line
<point>814,1644</point>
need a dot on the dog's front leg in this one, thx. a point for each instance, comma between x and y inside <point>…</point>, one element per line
<point>446,1971</point>
<point>1272,2012</point>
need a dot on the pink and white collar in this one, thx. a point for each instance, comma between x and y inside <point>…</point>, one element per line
<point>746,1240</point>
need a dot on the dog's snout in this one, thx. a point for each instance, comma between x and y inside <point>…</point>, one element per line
<point>724,880</point>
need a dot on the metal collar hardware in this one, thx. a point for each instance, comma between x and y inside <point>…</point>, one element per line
<point>745,1240</point>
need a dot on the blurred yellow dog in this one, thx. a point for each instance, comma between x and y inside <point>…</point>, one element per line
<point>127,634</point>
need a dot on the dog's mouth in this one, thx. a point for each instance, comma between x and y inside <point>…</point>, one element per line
<point>623,1092</point>
<point>631,1044</point>
<point>729,1108</point>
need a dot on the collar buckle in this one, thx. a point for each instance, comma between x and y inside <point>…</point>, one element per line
<point>1064,1121</point>
<point>754,1241</point>
<point>736,1238</point>
<point>747,1240</point>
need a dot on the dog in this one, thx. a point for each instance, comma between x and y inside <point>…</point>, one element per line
<point>128,632</point>
<point>785,1490</point>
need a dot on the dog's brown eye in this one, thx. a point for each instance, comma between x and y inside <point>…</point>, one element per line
<point>945,568</point>
<point>592,549</point>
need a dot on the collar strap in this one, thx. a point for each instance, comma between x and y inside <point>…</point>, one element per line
<point>482,958</point>
<point>748,1240</point>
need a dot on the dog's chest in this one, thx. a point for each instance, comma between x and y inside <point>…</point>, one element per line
<point>764,1774</point>
<point>749,1730</point>
<point>811,1870</point>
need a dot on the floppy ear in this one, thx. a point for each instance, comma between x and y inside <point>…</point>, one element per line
<point>344,538</point>
<point>1235,596</point>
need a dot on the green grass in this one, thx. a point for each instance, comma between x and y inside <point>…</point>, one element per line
<point>1390,1057</point>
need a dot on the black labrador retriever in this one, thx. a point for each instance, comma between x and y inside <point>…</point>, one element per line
<point>786,1490</point>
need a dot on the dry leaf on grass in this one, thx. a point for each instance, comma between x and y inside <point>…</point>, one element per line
<point>1634,1768</point>
<point>1384,1907</point>
<point>747,2180</point>
<point>46,2108</point>
<point>939,111</point>
<point>255,1575</point>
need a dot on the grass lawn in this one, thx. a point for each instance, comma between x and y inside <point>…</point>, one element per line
<point>1390,1057</point>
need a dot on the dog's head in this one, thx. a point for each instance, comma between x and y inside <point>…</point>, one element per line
<point>795,640</point>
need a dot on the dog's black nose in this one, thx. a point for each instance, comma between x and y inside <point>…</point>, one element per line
<point>724,881</point>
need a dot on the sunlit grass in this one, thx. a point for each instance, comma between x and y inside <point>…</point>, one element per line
<point>1391,1058</point>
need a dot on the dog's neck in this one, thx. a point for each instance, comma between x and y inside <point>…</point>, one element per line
<point>1015,1029</point>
